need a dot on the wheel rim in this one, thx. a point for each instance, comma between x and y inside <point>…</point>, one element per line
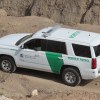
<point>70,77</point>
<point>6,65</point>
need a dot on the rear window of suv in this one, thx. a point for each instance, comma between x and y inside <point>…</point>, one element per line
<point>81,50</point>
<point>97,50</point>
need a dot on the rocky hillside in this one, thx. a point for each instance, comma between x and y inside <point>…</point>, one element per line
<point>63,11</point>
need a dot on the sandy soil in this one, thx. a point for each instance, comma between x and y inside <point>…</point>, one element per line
<point>19,85</point>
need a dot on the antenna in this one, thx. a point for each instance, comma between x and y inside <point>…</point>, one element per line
<point>48,33</point>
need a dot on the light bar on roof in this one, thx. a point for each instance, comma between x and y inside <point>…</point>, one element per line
<point>48,33</point>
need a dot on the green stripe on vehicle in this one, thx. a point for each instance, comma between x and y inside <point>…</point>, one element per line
<point>54,62</point>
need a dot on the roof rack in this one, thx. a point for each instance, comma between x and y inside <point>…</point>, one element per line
<point>48,33</point>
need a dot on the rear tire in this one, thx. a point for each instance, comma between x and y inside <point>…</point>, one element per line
<point>7,64</point>
<point>71,77</point>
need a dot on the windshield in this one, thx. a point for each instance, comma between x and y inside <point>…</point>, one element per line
<point>23,39</point>
<point>97,50</point>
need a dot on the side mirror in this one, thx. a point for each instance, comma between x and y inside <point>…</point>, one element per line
<point>22,46</point>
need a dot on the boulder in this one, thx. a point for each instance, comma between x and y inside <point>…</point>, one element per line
<point>4,98</point>
<point>34,92</point>
<point>3,12</point>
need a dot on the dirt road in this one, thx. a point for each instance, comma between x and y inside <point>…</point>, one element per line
<point>19,86</point>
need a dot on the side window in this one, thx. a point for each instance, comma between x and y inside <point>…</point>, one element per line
<point>56,46</point>
<point>80,50</point>
<point>97,50</point>
<point>36,44</point>
<point>46,45</point>
<point>63,48</point>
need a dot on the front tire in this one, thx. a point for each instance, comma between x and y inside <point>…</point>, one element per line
<point>71,77</point>
<point>7,64</point>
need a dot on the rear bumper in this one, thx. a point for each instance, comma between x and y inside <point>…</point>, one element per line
<point>91,74</point>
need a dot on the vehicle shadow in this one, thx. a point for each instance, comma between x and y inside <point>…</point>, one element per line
<point>39,74</point>
<point>46,75</point>
<point>85,82</point>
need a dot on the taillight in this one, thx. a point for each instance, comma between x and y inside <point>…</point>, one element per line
<point>94,63</point>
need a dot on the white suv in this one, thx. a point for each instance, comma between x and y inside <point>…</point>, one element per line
<point>74,54</point>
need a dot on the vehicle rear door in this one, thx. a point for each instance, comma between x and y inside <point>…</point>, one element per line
<point>54,53</point>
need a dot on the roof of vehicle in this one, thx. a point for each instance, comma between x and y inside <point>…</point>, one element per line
<point>75,36</point>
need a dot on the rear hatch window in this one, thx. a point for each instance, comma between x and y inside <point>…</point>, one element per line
<point>81,50</point>
<point>97,50</point>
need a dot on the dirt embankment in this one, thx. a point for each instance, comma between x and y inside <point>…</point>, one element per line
<point>31,24</point>
<point>19,85</point>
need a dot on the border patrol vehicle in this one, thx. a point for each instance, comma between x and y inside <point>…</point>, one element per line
<point>74,54</point>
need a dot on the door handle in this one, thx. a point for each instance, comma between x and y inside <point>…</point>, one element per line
<point>21,55</point>
<point>60,58</point>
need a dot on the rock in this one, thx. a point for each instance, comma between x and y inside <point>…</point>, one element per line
<point>4,98</point>
<point>29,96</point>
<point>3,12</point>
<point>61,11</point>
<point>96,83</point>
<point>16,7</point>
<point>34,92</point>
